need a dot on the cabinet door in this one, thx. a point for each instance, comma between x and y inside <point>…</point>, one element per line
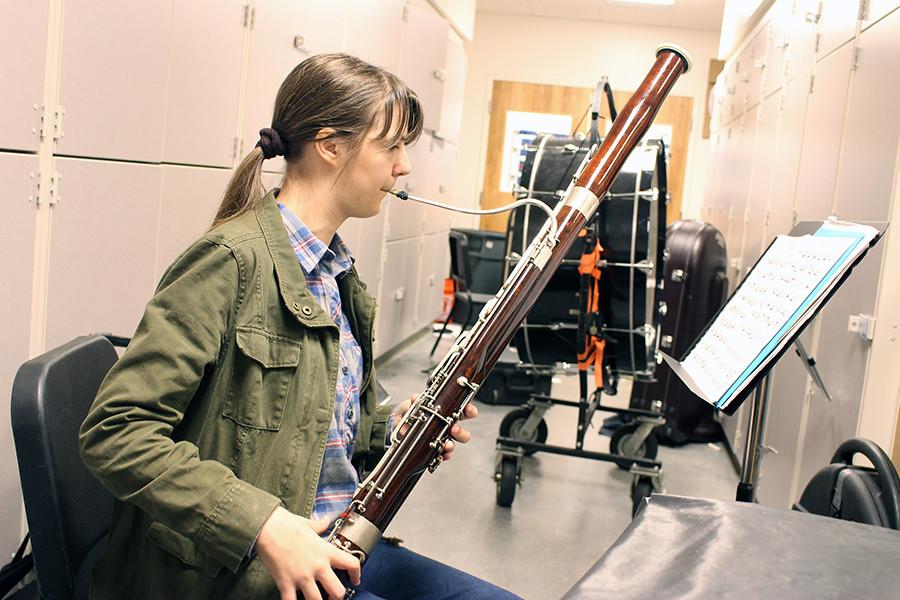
<point>23,41</point>
<point>204,82</point>
<point>441,172</point>
<point>424,60</point>
<point>739,190</point>
<point>372,28</point>
<point>866,172</point>
<point>454,92</point>
<point>802,50</point>
<point>369,254</point>
<point>842,358</point>
<point>786,160</point>
<point>321,28</point>
<point>435,261</point>
<point>875,10</point>
<point>755,67</point>
<point>113,78</point>
<point>189,200</point>
<point>760,184</point>
<point>407,218</point>
<point>17,228</point>
<point>102,248</point>
<point>837,24</point>
<point>395,297</point>
<point>272,56</point>
<point>413,286</point>
<point>778,43</point>
<point>822,135</point>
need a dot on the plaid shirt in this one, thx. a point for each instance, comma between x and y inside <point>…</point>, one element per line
<point>322,265</point>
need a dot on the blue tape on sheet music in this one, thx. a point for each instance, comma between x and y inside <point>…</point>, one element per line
<point>823,231</point>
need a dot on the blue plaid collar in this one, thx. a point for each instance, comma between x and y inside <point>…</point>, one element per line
<point>311,251</point>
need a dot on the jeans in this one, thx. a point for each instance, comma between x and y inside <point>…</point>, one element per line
<point>395,573</point>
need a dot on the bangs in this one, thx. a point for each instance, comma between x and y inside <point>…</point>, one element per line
<point>403,104</point>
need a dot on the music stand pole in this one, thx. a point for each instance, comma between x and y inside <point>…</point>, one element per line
<point>756,427</point>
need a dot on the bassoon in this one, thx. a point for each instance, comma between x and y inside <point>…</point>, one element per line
<point>456,379</point>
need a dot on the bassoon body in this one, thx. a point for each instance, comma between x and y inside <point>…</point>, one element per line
<point>456,379</point>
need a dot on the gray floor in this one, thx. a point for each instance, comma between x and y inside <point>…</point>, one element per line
<point>567,512</point>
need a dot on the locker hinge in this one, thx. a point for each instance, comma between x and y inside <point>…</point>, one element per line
<point>812,83</point>
<point>50,122</point>
<point>818,41</point>
<point>237,148</point>
<point>855,65</point>
<point>794,217</point>
<point>249,16</point>
<point>50,194</point>
<point>768,216</point>
<point>813,17</point>
<point>863,10</point>
<point>406,12</point>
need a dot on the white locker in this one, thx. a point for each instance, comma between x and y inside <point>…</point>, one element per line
<point>739,184</point>
<point>766,132</point>
<point>822,135</point>
<point>440,175</point>
<point>273,55</point>
<point>407,218</point>
<point>23,40</point>
<point>102,248</point>
<point>350,233</point>
<point>423,62</point>
<point>871,134</point>
<point>113,78</point>
<point>321,28</point>
<point>786,158</point>
<point>189,200</point>
<point>875,10</point>
<point>372,28</point>
<point>17,229</point>
<point>397,301</point>
<point>842,358</point>
<point>837,24</point>
<point>454,92</point>
<point>756,64</point>
<point>802,44</point>
<point>204,82</point>
<point>370,249</point>
<point>435,267</point>
<point>778,41</point>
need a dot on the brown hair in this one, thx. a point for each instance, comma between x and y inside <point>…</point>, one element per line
<point>335,91</point>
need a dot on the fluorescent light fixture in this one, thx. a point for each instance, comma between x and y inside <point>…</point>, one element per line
<point>659,2</point>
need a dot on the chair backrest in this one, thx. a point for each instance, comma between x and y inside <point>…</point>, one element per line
<point>68,511</point>
<point>460,265</point>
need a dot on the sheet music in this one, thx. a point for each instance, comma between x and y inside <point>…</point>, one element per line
<point>787,284</point>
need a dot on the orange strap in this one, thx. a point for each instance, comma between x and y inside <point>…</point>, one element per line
<point>594,345</point>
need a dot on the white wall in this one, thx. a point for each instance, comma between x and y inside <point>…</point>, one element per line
<point>573,53</point>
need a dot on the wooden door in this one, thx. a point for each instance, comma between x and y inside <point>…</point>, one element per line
<point>574,102</point>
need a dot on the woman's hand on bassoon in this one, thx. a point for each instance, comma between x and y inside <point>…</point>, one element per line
<point>457,432</point>
<point>297,557</point>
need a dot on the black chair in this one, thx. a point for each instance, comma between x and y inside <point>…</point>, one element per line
<point>465,301</point>
<point>68,511</point>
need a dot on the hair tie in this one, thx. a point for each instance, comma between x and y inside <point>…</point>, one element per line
<point>270,142</point>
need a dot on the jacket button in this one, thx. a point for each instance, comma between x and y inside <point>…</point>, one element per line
<point>307,311</point>
<point>296,305</point>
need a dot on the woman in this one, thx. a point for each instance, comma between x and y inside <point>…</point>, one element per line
<point>234,426</point>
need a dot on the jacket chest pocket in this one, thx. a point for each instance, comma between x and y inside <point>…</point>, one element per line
<point>264,367</point>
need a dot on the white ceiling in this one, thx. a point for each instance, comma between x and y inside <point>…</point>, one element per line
<point>692,14</point>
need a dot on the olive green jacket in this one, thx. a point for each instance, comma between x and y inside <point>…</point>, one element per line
<point>219,411</point>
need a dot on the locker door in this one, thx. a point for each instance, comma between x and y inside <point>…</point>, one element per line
<point>113,78</point>
<point>871,134</point>
<point>23,39</point>
<point>17,228</point>
<point>412,286</point>
<point>102,248</point>
<point>777,42</point>
<point>822,135</point>
<point>876,9</point>
<point>392,298</point>
<point>454,92</point>
<point>322,27</point>
<point>441,172</point>
<point>758,197</point>
<point>739,189</point>
<point>786,159</point>
<point>407,219</point>
<point>350,233</point>
<point>189,200</point>
<point>434,254</point>
<point>371,29</point>
<point>423,62</point>
<point>802,26</point>
<point>755,67</point>
<point>837,24</point>
<point>842,358</point>
<point>370,251</point>
<point>204,82</point>
<point>272,56</point>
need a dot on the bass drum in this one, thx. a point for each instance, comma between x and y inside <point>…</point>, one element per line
<point>630,224</point>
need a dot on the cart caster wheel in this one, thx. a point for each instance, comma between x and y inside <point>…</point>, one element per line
<point>511,426</point>
<point>507,478</point>
<point>641,488</point>
<point>622,438</point>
